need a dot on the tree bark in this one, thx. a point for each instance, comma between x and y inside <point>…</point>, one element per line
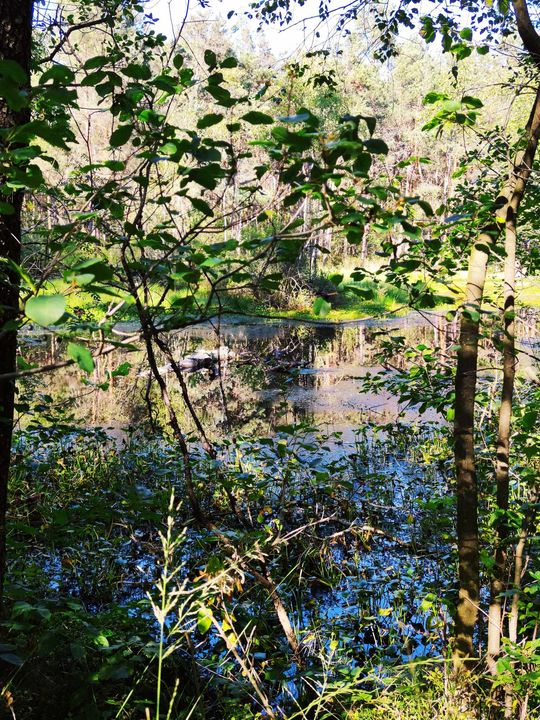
<point>465,462</point>
<point>465,389</point>
<point>521,173</point>
<point>15,45</point>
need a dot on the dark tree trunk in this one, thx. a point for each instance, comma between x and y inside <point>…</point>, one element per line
<point>15,43</point>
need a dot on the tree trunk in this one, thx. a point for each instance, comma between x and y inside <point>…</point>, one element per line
<point>15,43</point>
<point>521,172</point>
<point>466,487</point>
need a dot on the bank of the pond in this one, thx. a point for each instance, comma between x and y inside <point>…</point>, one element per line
<point>357,301</point>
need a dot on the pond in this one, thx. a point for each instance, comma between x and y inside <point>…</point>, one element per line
<point>361,483</point>
<point>279,372</point>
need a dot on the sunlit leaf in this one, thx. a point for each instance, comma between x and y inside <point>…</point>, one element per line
<point>45,309</point>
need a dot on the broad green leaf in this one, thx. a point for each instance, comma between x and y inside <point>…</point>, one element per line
<point>210,58</point>
<point>137,71</point>
<point>122,370</point>
<point>121,135</point>
<point>12,70</point>
<point>300,117</point>
<point>204,620</point>
<point>254,117</point>
<point>321,308</point>
<point>58,74</point>
<point>202,206</point>
<point>87,271</point>
<point>208,120</point>
<point>376,146</point>
<point>11,658</point>
<point>471,102</point>
<point>6,208</point>
<point>21,272</point>
<point>221,95</point>
<point>82,356</point>
<point>96,62</point>
<point>169,148</point>
<point>45,309</point>
<point>230,62</point>
<point>433,97</point>
<point>207,176</point>
<point>115,165</point>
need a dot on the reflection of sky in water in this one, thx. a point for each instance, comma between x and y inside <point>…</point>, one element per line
<point>289,372</point>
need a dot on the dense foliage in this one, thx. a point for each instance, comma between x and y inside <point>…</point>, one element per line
<point>181,534</point>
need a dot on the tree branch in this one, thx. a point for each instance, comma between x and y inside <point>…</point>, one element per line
<point>526,30</point>
<point>71,29</point>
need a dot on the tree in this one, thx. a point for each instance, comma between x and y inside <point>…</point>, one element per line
<point>15,49</point>
<point>490,23</point>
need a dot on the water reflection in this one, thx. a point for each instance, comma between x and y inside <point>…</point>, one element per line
<point>282,371</point>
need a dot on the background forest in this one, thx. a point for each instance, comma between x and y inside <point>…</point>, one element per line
<point>269,397</point>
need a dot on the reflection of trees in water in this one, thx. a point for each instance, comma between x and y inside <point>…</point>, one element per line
<point>255,385</point>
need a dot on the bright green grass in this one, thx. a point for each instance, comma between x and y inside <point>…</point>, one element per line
<point>386,299</point>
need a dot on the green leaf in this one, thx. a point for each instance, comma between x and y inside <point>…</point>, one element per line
<point>6,208</point>
<point>99,269</point>
<point>336,279</point>
<point>169,148</point>
<point>210,58</point>
<point>122,370</point>
<point>45,309</point>
<point>121,135</point>
<point>299,117</point>
<point>137,71</point>
<point>208,120</point>
<point>58,74</point>
<point>321,308</point>
<point>82,356</point>
<point>207,176</point>
<point>93,78</point>
<point>434,97</point>
<point>12,70</point>
<point>371,123</point>
<point>230,62</point>
<point>257,118</point>
<point>11,658</point>
<point>96,62</point>
<point>204,620</point>
<point>471,102</point>
<point>202,206</point>
<point>115,165</point>
<point>221,95</point>
<point>466,34</point>
<point>376,146</point>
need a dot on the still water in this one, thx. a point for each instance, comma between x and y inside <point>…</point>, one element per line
<point>278,371</point>
<point>378,593</point>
